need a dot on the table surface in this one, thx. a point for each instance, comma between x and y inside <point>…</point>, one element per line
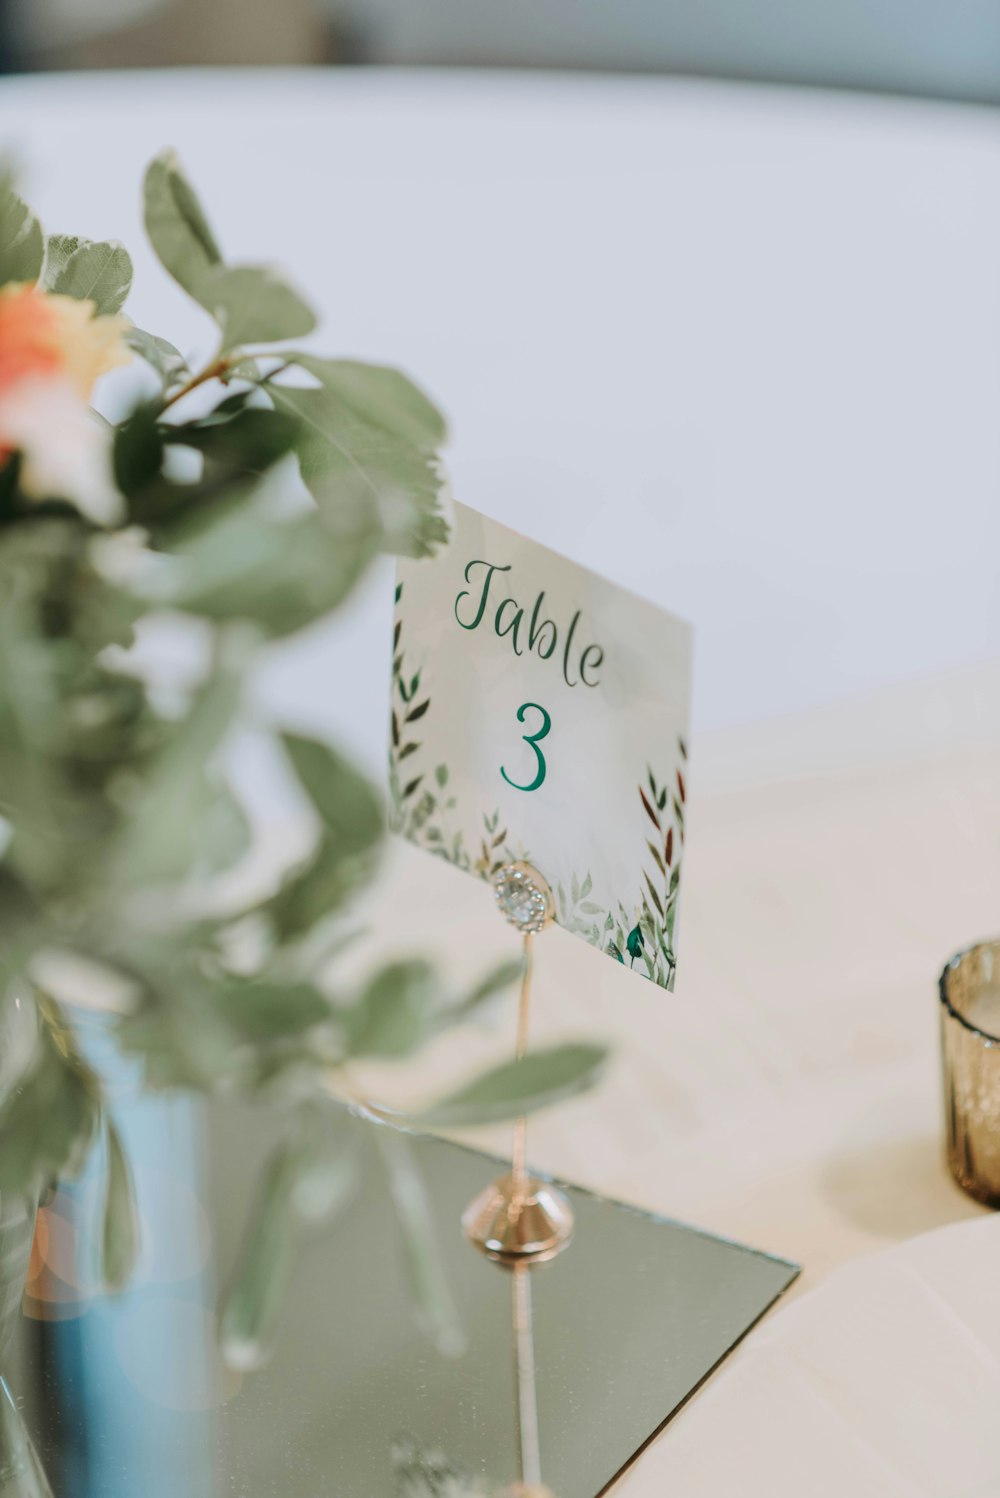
<point>736,347</point>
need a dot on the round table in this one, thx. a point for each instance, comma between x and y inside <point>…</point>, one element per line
<point>735,348</point>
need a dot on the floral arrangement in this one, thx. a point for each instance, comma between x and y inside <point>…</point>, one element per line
<point>243,497</point>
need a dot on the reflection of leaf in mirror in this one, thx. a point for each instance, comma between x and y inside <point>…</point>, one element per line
<point>433,1303</point>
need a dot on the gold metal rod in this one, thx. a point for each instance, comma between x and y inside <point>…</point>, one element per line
<point>519,1172</point>
<point>529,1456</point>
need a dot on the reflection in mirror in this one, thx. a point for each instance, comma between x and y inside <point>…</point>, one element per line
<point>130,1396</point>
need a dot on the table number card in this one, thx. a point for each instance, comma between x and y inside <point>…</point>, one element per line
<point>540,713</point>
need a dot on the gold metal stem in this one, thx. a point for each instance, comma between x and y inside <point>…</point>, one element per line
<point>517,1219</point>
<point>529,1457</point>
<point>520,1145</point>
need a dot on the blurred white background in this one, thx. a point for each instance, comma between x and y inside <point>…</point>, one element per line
<point>733,346</point>
<point>907,46</point>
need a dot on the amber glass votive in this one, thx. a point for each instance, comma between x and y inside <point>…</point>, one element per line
<point>970,1053</point>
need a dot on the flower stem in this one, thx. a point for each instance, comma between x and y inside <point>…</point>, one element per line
<point>212,371</point>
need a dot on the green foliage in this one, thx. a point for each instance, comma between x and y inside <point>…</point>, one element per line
<point>363,433</point>
<point>120,1228</point>
<point>47,1123</point>
<point>537,1081</point>
<point>253,304</point>
<point>431,1294</point>
<point>395,1014</point>
<point>117,812</point>
<point>341,450</point>
<point>100,273</point>
<point>22,245</point>
<point>383,398</point>
<point>306,1182</point>
<point>168,362</point>
<point>176,224</point>
<point>58,249</point>
<point>350,810</point>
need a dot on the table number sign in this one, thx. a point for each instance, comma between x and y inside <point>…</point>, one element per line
<point>539,713</point>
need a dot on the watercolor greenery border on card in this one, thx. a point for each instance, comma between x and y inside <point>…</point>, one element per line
<point>638,929</point>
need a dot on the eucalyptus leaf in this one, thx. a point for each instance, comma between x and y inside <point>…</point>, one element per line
<point>315,889</point>
<point>264,1009</point>
<point>22,244</point>
<point>34,795</point>
<point>176,224</point>
<point>342,452</point>
<point>542,1078</point>
<point>120,1227</point>
<point>168,362</point>
<point>224,835</point>
<point>163,832</point>
<point>100,273</point>
<point>58,249</point>
<point>395,1014</point>
<point>137,454</point>
<point>281,574</point>
<point>47,1121</point>
<point>381,396</point>
<point>178,1035</point>
<point>346,802</point>
<point>249,440</point>
<point>493,982</point>
<point>254,304</point>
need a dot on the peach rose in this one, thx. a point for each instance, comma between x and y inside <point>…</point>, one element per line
<point>47,336</point>
<point>53,349</point>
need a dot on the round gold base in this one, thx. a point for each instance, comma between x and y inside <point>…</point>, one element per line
<point>512,1229</point>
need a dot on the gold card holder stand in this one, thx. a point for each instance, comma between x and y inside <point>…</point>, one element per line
<point>518,1219</point>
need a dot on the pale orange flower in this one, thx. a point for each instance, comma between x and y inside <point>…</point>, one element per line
<point>53,349</point>
<point>46,336</point>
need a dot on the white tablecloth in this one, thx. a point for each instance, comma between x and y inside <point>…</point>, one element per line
<point>736,347</point>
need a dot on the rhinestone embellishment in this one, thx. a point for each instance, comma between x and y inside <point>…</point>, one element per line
<point>523,898</point>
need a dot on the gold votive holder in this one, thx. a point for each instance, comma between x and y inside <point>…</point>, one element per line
<point>970,1054</point>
